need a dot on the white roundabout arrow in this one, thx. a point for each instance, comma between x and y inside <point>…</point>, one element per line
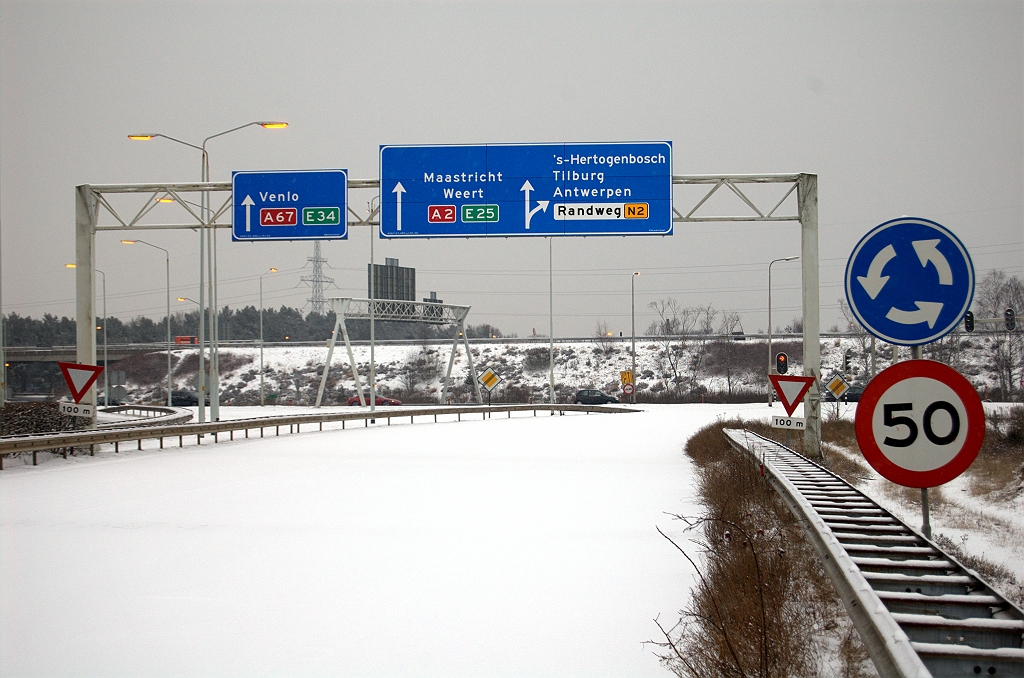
<point>927,250</point>
<point>398,190</point>
<point>927,312</point>
<point>874,281</point>
<point>248,219</point>
<point>542,205</point>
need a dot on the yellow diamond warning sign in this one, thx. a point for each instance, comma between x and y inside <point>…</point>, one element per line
<point>837,386</point>
<point>489,379</point>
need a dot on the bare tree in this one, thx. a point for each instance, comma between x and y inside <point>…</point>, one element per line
<point>603,338</point>
<point>860,336</point>
<point>994,294</point>
<point>727,352</point>
<point>675,323</point>
<point>705,323</point>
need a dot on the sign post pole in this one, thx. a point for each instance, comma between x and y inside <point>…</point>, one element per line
<point>86,206</point>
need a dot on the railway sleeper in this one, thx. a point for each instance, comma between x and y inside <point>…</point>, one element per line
<point>909,567</point>
<point>960,660</point>
<point>985,634</point>
<point>871,528</point>
<point>950,606</point>
<point>927,584</point>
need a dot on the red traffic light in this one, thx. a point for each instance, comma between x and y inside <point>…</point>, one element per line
<point>781,363</point>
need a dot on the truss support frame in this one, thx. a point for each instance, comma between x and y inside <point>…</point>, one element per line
<point>429,313</point>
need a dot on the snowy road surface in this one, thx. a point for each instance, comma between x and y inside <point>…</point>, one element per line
<point>522,547</point>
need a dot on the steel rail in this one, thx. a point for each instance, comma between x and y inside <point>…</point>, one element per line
<point>14,445</point>
<point>919,612</point>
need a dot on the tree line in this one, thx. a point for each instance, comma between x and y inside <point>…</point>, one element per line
<point>281,324</point>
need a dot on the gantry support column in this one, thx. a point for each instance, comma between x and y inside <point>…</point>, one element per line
<point>86,212</point>
<point>807,197</point>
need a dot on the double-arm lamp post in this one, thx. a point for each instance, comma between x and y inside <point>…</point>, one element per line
<point>209,241</point>
<point>167,257</point>
<point>771,358</point>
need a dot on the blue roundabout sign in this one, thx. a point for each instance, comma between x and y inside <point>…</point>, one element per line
<point>909,281</point>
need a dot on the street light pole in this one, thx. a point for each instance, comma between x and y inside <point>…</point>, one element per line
<point>167,257</point>
<point>771,363</point>
<point>211,242</point>
<point>269,270</point>
<point>632,318</point>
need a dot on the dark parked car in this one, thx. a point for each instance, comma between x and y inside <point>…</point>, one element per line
<point>591,396</point>
<point>186,399</point>
<point>852,395</point>
<point>381,400</point>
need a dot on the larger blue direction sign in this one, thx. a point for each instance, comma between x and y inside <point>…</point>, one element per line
<point>521,190</point>
<point>909,281</point>
<point>295,205</point>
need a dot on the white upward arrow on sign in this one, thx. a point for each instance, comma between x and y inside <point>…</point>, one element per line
<point>248,202</point>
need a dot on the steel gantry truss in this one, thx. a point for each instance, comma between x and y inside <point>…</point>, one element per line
<point>90,198</point>
<point>346,308</point>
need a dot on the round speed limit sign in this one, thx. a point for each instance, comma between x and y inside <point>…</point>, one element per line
<point>920,423</point>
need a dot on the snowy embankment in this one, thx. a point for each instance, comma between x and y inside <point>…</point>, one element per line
<point>508,547</point>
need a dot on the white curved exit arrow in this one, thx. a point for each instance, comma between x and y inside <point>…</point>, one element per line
<point>874,281</point>
<point>927,312</point>
<point>927,250</point>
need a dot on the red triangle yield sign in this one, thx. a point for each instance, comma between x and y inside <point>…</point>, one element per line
<point>791,390</point>
<point>79,377</point>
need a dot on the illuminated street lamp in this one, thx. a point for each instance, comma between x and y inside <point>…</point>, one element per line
<point>269,270</point>
<point>167,256</point>
<point>771,359</point>
<point>209,242</point>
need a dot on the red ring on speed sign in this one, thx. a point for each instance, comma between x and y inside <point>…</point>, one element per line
<point>912,394</point>
<point>627,389</point>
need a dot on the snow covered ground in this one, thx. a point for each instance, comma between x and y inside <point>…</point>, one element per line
<point>508,547</point>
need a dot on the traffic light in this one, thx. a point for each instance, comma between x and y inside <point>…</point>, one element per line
<point>846,362</point>
<point>969,321</point>
<point>781,363</point>
<point>1011,319</point>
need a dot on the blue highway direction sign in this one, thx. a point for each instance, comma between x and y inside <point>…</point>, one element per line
<point>289,205</point>
<point>909,281</point>
<point>503,190</point>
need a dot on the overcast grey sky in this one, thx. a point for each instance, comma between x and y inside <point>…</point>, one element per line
<point>899,108</point>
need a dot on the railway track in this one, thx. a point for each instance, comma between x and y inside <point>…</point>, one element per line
<point>919,611</point>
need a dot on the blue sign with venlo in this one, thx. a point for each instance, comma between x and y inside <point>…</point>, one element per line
<point>289,205</point>
<point>909,281</point>
<point>503,190</point>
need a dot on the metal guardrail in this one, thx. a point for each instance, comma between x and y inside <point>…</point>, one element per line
<point>15,445</point>
<point>919,612</point>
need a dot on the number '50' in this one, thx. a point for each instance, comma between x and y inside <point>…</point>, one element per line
<point>890,418</point>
